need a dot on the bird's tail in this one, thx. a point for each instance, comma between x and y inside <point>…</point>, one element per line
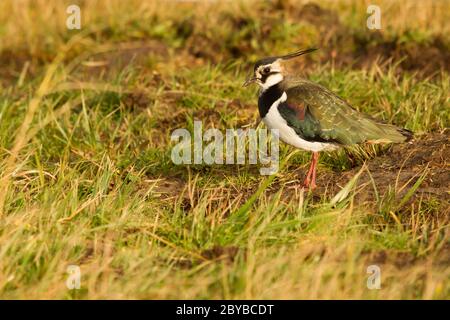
<point>394,134</point>
<point>408,134</point>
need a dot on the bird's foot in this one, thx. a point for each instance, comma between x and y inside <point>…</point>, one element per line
<point>309,184</point>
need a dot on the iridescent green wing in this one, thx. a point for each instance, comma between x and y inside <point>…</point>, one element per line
<point>317,114</point>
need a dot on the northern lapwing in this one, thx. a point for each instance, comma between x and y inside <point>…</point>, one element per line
<point>310,117</point>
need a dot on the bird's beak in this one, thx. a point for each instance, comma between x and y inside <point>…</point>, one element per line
<point>249,81</point>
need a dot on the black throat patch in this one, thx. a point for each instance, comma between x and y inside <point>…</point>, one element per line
<point>267,98</point>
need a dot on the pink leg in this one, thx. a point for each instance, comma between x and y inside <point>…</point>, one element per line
<point>310,180</point>
<point>316,159</point>
<point>307,181</point>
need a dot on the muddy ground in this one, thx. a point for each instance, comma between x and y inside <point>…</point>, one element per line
<point>402,165</point>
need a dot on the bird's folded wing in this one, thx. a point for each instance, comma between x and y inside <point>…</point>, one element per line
<point>317,114</point>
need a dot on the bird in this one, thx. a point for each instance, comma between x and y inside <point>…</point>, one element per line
<point>308,116</point>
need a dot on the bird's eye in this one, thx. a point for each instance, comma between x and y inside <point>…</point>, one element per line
<point>266,70</point>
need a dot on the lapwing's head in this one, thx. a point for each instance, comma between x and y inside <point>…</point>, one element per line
<point>270,71</point>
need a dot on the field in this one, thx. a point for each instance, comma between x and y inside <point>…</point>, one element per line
<point>87,180</point>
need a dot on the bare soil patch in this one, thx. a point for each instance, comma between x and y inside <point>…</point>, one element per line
<point>398,168</point>
<point>403,164</point>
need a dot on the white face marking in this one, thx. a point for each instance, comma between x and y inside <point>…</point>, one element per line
<point>272,79</point>
<point>274,120</point>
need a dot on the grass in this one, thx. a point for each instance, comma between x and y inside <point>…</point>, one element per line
<point>87,179</point>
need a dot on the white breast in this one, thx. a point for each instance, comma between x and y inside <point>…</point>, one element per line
<point>274,120</point>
